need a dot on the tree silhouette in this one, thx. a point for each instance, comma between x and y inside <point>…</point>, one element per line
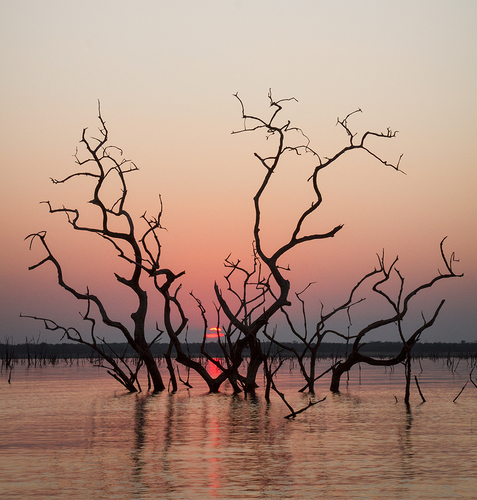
<point>101,163</point>
<point>253,294</point>
<point>250,315</point>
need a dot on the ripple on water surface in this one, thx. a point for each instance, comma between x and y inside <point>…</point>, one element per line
<point>70,432</point>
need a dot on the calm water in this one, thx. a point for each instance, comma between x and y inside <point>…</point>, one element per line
<point>70,432</point>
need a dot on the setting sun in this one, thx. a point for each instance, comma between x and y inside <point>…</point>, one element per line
<point>214,332</point>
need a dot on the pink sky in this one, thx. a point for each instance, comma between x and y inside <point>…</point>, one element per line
<point>165,74</point>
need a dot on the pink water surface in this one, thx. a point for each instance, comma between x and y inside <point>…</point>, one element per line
<point>71,432</point>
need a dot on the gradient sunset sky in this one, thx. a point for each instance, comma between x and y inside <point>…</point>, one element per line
<point>166,72</point>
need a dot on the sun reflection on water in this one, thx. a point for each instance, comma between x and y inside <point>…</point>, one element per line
<point>72,434</point>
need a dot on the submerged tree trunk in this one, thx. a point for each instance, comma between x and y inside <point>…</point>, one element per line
<point>311,376</point>
<point>256,360</point>
<point>170,367</point>
<point>153,370</point>
<point>338,370</point>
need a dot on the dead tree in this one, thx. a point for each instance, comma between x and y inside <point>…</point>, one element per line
<point>399,307</point>
<point>274,288</point>
<point>101,163</point>
<point>307,357</point>
<point>252,297</point>
<point>117,365</point>
<point>228,367</point>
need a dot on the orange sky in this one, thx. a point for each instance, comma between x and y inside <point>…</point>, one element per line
<point>165,73</point>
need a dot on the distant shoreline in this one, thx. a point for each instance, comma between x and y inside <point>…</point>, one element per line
<point>327,350</point>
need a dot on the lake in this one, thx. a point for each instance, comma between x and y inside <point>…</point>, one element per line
<point>71,432</point>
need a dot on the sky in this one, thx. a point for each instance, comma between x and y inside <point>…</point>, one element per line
<point>165,74</point>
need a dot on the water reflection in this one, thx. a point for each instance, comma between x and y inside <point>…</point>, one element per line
<point>405,443</point>
<point>358,444</point>
<point>140,411</point>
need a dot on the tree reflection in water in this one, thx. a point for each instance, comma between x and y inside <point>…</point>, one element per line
<point>360,443</point>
